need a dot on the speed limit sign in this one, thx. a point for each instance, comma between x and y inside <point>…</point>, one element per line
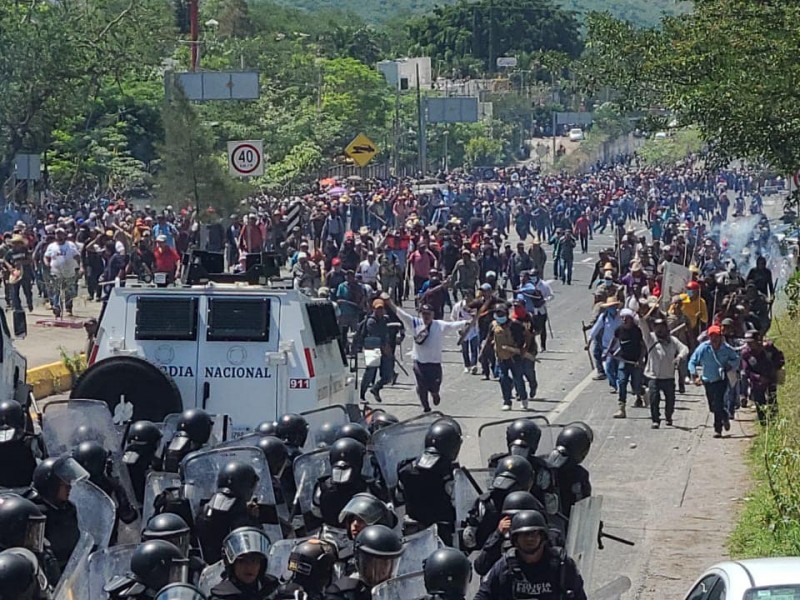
<point>246,158</point>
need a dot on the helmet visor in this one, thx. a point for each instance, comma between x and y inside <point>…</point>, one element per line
<point>367,508</point>
<point>34,534</point>
<point>180,539</point>
<point>179,443</point>
<point>428,459</point>
<point>341,472</point>
<point>375,569</point>
<point>69,471</point>
<point>250,541</point>
<point>179,592</point>
<point>558,457</point>
<point>179,571</point>
<point>7,433</point>
<point>519,448</point>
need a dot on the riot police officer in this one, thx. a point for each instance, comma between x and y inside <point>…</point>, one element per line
<point>245,552</point>
<point>332,492</point>
<point>447,574</point>
<point>173,529</point>
<point>228,509</point>
<point>17,454</point>
<point>293,430</point>
<point>572,447</point>
<point>377,549</point>
<point>52,482</point>
<point>355,431</point>
<point>380,419</point>
<point>425,484</point>
<point>364,510</point>
<point>140,454</point>
<point>532,568</point>
<point>192,433</point>
<point>513,473</point>
<point>326,435</point>
<point>267,428</point>
<point>277,455</point>
<point>311,566</point>
<point>154,565</point>
<point>22,525</point>
<point>21,577</point>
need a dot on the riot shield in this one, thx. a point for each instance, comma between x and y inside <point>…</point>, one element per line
<point>416,548</point>
<point>613,590</point>
<point>584,527</point>
<point>74,582</point>
<point>392,445</point>
<point>308,468</point>
<point>96,511</point>
<point>408,587</point>
<point>200,478</point>
<point>106,564</point>
<point>211,576</point>
<point>248,439</point>
<point>465,493</point>
<point>336,415</point>
<point>156,483</point>
<point>492,437</point>
<point>220,432</point>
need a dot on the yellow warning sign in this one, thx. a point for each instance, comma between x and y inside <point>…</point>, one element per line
<point>361,150</point>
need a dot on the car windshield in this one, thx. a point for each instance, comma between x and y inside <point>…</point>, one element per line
<point>776,592</point>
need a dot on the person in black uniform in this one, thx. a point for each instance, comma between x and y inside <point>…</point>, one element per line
<point>379,419</point>
<point>311,566</point>
<point>267,428</point>
<point>292,429</point>
<point>277,455</point>
<point>532,568</point>
<point>447,575</point>
<point>52,482</point>
<point>425,484</point>
<point>140,454</point>
<point>22,525</point>
<point>21,577</point>
<point>229,508</point>
<point>377,549</point>
<point>173,529</point>
<point>154,565</point>
<point>192,433</point>
<point>513,473</point>
<point>17,453</point>
<point>572,447</point>
<point>245,552</point>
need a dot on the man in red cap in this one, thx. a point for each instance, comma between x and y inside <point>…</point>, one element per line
<point>710,365</point>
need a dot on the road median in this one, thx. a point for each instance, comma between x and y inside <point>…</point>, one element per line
<point>49,379</point>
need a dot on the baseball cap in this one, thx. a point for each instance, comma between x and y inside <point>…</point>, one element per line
<point>336,261</point>
<point>426,308</point>
<point>378,303</point>
<point>692,285</point>
<point>714,330</point>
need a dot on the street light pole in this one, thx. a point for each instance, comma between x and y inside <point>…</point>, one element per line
<point>194,32</point>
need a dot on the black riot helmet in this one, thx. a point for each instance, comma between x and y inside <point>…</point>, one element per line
<point>242,541</point>
<point>239,479</point>
<point>267,428</point>
<point>21,523</point>
<point>84,433</point>
<point>447,573</point>
<point>12,421</point>
<point>21,577</point>
<point>519,501</point>
<point>169,527</point>
<point>157,563</point>
<point>369,509</point>
<point>52,474</point>
<point>452,422</point>
<point>572,445</point>
<point>311,563</point>
<point>522,437</point>
<point>380,419</point>
<point>326,435</point>
<point>527,520</point>
<point>143,440</point>
<point>513,473</point>
<point>347,459</point>
<point>197,424</point>
<point>442,444</point>
<point>354,431</point>
<point>92,457</point>
<point>377,549</point>
<point>293,430</point>
<point>180,591</point>
<point>276,453</point>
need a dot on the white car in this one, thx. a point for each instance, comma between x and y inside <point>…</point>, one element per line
<point>661,135</point>
<point>750,579</point>
<point>575,135</point>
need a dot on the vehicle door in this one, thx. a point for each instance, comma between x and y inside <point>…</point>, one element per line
<point>13,367</point>
<point>234,377</point>
<point>704,588</point>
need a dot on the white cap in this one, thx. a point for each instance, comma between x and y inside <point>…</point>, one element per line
<point>161,238</point>
<point>627,312</point>
<point>302,255</point>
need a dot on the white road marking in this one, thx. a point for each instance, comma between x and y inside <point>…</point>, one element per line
<point>587,259</point>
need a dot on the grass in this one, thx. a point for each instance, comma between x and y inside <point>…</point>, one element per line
<point>75,362</point>
<point>769,525</point>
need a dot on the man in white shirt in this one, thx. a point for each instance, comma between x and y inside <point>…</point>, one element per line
<point>63,259</point>
<point>428,335</point>
<point>369,270</point>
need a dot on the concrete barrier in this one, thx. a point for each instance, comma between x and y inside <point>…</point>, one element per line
<point>53,378</point>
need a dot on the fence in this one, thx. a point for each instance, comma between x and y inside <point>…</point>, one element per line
<point>376,171</point>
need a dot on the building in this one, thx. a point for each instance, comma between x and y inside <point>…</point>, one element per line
<point>402,72</point>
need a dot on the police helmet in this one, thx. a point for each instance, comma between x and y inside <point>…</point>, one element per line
<point>156,563</point>
<point>21,577</point>
<point>377,549</point>
<point>143,437</point>
<point>522,437</point>
<point>572,445</point>
<point>197,424</point>
<point>447,573</point>
<point>527,520</point>
<point>12,421</point>
<point>293,429</point>
<point>276,453</point>
<point>180,591</point>
<point>452,422</point>
<point>347,459</point>
<point>380,419</point>
<point>92,457</point>
<point>326,435</point>
<point>239,478</point>
<point>169,527</point>
<point>513,473</point>
<point>52,473</point>
<point>369,509</point>
<point>518,501</point>
<point>267,428</point>
<point>311,563</point>
<point>442,441</point>
<point>245,540</point>
<point>21,523</point>
<point>354,431</point>
<point>84,433</point>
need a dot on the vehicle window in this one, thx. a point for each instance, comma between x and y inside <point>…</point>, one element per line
<point>782,592</point>
<point>703,587</point>
<point>238,320</point>
<point>718,591</point>
<point>322,317</point>
<point>166,318</point>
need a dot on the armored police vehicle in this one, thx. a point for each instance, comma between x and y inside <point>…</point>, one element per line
<point>241,345</point>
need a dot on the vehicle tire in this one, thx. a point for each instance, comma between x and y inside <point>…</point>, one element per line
<point>153,393</point>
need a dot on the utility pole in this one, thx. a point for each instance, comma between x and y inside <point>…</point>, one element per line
<point>421,137</point>
<point>194,32</point>
<point>491,37</point>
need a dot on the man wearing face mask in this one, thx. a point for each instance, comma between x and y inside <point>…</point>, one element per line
<point>694,307</point>
<point>509,341</point>
<point>664,353</point>
<point>532,568</point>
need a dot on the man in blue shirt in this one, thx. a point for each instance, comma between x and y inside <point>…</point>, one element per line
<point>715,358</point>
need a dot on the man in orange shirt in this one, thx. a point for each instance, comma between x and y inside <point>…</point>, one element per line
<point>167,258</point>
